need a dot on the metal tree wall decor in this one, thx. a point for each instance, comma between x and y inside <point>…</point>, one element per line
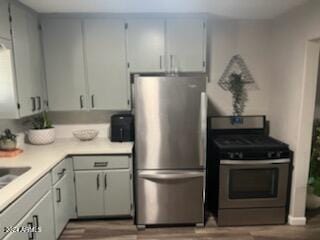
<point>237,78</point>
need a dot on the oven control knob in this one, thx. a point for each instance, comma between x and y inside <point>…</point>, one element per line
<point>279,154</point>
<point>231,155</point>
<point>239,155</point>
<point>271,154</point>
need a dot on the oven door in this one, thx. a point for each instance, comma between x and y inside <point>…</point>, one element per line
<point>251,184</point>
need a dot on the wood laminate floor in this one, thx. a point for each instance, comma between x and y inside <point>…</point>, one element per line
<point>125,230</point>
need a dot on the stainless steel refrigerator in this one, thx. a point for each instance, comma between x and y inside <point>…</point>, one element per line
<point>170,148</point>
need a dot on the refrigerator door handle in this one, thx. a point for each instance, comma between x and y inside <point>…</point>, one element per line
<point>203,128</point>
<point>171,176</point>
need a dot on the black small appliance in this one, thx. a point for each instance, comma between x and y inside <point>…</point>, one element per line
<point>122,128</point>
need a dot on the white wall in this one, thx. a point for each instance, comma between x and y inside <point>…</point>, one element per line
<point>250,39</point>
<point>290,100</point>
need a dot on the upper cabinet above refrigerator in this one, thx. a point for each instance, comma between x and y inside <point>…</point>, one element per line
<point>166,45</point>
<point>186,45</point>
<point>146,45</point>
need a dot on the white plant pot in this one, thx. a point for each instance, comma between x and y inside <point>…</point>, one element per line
<point>42,136</point>
<point>313,201</point>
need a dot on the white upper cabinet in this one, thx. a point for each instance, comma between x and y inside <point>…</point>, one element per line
<point>146,45</point>
<point>88,61</point>
<point>64,64</point>
<point>105,55</point>
<point>186,44</point>
<point>4,20</point>
<point>8,99</point>
<point>27,59</point>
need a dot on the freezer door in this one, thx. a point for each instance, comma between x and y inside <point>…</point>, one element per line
<point>170,122</point>
<point>169,197</point>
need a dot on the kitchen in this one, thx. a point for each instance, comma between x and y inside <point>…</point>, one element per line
<point>61,66</point>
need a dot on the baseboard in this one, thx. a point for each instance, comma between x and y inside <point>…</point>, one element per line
<point>297,221</point>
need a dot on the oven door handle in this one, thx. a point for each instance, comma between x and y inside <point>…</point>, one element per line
<point>254,162</point>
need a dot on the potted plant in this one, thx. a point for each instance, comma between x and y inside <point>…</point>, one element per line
<point>8,141</point>
<point>239,96</point>
<point>313,196</point>
<point>43,132</point>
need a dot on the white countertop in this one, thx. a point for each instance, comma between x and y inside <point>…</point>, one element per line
<point>42,159</point>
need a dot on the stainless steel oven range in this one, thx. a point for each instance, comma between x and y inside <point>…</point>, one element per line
<point>248,172</point>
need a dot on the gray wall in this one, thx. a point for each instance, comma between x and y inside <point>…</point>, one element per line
<point>15,125</point>
<point>81,117</point>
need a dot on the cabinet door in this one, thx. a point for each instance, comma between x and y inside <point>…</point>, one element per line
<point>117,195</point>
<point>36,63</point>
<point>25,64</point>
<point>42,217</point>
<point>4,20</point>
<point>186,39</point>
<point>64,64</point>
<point>64,204</point>
<point>89,193</point>
<point>146,45</point>
<point>8,102</point>
<point>106,64</point>
<point>26,221</point>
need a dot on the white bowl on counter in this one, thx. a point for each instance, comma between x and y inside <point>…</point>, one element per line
<point>85,134</point>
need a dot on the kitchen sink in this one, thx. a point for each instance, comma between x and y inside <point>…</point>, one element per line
<point>7,175</point>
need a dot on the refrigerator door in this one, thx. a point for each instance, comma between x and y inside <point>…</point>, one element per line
<point>169,197</point>
<point>170,122</point>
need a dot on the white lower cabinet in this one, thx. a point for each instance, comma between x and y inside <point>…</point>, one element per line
<point>40,217</point>
<point>103,193</point>
<point>89,192</point>
<point>63,200</point>
<point>100,186</point>
<point>117,199</point>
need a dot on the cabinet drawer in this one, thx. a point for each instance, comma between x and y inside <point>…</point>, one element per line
<point>100,162</point>
<point>22,205</point>
<point>59,171</point>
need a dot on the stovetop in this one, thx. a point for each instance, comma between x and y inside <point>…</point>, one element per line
<point>245,141</point>
<point>245,138</point>
<point>250,147</point>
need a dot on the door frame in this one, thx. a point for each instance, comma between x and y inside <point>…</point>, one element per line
<point>304,133</point>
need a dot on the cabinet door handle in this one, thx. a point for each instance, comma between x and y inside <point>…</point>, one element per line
<point>58,191</point>
<point>36,221</point>
<point>105,181</point>
<point>30,233</point>
<point>61,174</point>
<point>81,101</point>
<point>33,99</point>
<point>100,164</point>
<point>160,62</point>
<point>92,101</point>
<point>39,102</point>
<point>171,62</point>
<point>98,181</point>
